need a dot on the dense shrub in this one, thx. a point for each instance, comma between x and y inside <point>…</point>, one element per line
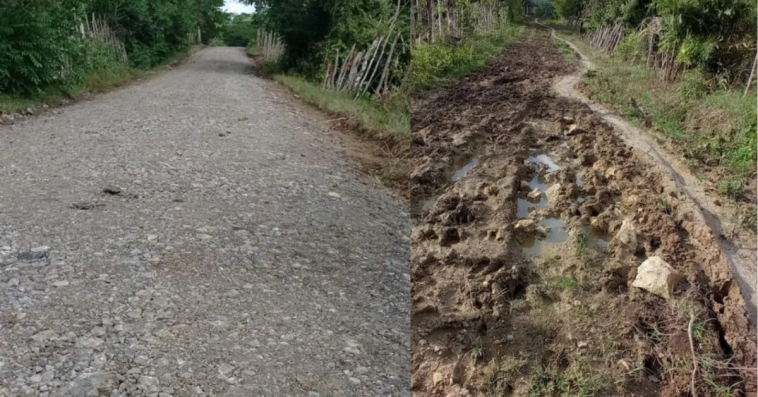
<point>315,30</point>
<point>41,48</point>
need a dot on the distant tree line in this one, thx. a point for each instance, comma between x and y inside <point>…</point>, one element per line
<point>718,36</point>
<point>43,45</point>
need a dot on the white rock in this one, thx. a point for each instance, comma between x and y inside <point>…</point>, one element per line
<point>553,192</point>
<point>535,194</point>
<point>525,225</point>
<point>225,369</point>
<point>437,377</point>
<point>657,277</point>
<point>627,235</point>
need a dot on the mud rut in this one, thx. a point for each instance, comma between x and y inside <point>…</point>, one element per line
<point>518,295</point>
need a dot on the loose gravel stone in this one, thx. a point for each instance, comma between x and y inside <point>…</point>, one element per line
<point>261,263</point>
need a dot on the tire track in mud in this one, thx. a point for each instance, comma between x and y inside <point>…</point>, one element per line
<point>533,217</point>
<point>742,261</point>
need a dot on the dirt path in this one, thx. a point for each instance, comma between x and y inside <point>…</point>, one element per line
<point>534,214</point>
<point>197,235</point>
<point>741,254</point>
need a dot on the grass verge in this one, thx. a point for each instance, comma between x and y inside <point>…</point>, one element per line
<point>436,64</point>
<point>712,128</point>
<point>95,82</point>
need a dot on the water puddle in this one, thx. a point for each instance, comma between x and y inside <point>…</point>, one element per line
<point>579,181</point>
<point>565,145</point>
<point>580,199</point>
<point>466,168</point>
<point>524,203</point>
<point>544,159</point>
<point>533,246</point>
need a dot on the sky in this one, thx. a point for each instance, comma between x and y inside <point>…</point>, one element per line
<point>234,6</point>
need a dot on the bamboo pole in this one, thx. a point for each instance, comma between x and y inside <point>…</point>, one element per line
<point>385,72</point>
<point>750,79</point>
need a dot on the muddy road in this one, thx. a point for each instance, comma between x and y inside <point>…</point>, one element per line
<point>533,217</point>
<point>198,234</point>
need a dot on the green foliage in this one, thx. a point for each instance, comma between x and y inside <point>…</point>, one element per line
<point>432,65</point>
<point>315,30</point>
<point>716,35</point>
<point>631,48</point>
<point>568,8</point>
<point>36,45</point>
<point>240,30</point>
<point>544,10</point>
<point>694,86</point>
<point>41,48</point>
<point>217,42</point>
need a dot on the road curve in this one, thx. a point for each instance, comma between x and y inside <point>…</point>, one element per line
<point>197,235</point>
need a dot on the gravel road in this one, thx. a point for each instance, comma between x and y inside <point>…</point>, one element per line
<point>197,235</point>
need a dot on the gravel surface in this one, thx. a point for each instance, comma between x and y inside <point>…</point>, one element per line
<point>197,235</point>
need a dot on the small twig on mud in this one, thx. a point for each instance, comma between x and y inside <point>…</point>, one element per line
<point>329,121</point>
<point>692,350</point>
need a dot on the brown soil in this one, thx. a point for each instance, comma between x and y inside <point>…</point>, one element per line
<point>488,320</point>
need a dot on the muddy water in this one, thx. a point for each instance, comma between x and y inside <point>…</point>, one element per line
<point>465,169</point>
<point>557,234</point>
<point>526,205</point>
<point>544,160</point>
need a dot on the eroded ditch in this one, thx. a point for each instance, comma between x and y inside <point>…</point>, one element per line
<point>515,295</point>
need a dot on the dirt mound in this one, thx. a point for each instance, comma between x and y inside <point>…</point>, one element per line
<point>533,218</point>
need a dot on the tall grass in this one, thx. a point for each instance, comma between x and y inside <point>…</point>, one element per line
<point>390,121</point>
<point>711,127</point>
<point>435,64</point>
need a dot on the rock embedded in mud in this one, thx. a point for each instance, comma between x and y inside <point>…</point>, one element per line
<point>553,193</point>
<point>525,225</point>
<point>657,277</point>
<point>535,194</point>
<point>627,235</point>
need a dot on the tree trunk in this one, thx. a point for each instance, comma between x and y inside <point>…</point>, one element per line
<point>413,26</point>
<point>452,18</point>
<point>430,19</point>
<point>439,19</point>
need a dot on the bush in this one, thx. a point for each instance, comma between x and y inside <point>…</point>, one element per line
<point>694,86</point>
<point>217,42</point>
<point>40,48</point>
<point>434,64</point>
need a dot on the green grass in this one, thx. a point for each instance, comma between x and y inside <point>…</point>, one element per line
<point>390,122</point>
<point>710,126</point>
<point>582,243</point>
<point>96,81</point>
<point>437,64</point>
<point>565,283</point>
<point>568,54</point>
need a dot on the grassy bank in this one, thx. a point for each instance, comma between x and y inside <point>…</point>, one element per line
<point>436,64</point>
<point>99,80</point>
<point>712,128</point>
<point>392,122</point>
